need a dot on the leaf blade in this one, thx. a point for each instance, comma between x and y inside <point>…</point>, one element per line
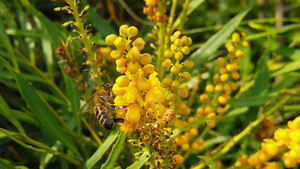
<point>42,110</point>
<point>116,150</point>
<point>102,149</point>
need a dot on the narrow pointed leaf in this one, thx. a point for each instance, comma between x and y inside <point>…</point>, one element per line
<point>116,150</point>
<point>102,149</point>
<point>141,161</point>
<point>262,81</point>
<point>43,111</point>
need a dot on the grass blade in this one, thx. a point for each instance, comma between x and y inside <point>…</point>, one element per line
<point>53,32</point>
<point>102,149</point>
<point>7,45</point>
<point>289,67</point>
<point>209,162</point>
<point>114,154</point>
<point>262,80</point>
<point>250,101</point>
<point>6,112</point>
<point>43,111</point>
<point>193,5</point>
<point>141,161</point>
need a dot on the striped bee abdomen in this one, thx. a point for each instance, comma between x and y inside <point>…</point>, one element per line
<point>104,118</point>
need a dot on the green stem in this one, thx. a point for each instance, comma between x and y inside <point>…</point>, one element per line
<point>85,39</point>
<point>182,17</point>
<point>161,42</point>
<point>92,131</point>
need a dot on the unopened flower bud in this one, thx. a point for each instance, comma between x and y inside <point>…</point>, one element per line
<point>135,53</point>
<point>133,66</point>
<point>168,53</point>
<point>174,69</point>
<point>119,42</point>
<point>122,81</point>
<point>167,64</point>
<point>145,58</point>
<point>143,84</point>
<point>139,43</point>
<point>188,63</point>
<point>132,31</point>
<point>148,69</point>
<point>110,39</point>
<point>116,54</point>
<point>123,30</point>
<point>178,56</point>
<point>185,50</point>
<point>122,62</point>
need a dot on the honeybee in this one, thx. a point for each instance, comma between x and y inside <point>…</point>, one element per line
<point>103,100</point>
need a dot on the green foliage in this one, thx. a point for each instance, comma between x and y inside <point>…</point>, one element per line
<point>39,101</point>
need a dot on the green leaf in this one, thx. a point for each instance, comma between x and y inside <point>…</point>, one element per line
<point>7,45</point>
<point>53,32</point>
<point>286,82</point>
<point>189,125</point>
<point>209,162</point>
<point>102,149</point>
<point>141,161</point>
<point>6,112</point>
<point>194,4</point>
<point>213,141</point>
<point>114,154</point>
<point>15,136</point>
<point>262,80</point>
<point>234,112</point>
<point>6,165</point>
<point>45,158</point>
<point>288,67</point>
<point>210,46</point>
<point>43,111</point>
<point>101,24</point>
<point>250,101</point>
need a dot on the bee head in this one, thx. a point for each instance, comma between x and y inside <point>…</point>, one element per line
<point>107,86</point>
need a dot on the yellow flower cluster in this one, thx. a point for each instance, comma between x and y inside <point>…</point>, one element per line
<point>152,12</point>
<point>173,63</point>
<point>286,142</point>
<point>138,89</point>
<point>224,82</point>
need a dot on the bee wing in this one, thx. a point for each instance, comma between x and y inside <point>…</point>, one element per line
<point>85,107</point>
<point>92,120</point>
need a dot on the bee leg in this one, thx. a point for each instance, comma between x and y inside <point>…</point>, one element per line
<point>104,98</point>
<point>116,107</point>
<point>119,120</point>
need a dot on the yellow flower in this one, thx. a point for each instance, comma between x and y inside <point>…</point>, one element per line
<point>134,113</point>
<point>123,30</point>
<point>119,42</point>
<point>139,43</point>
<point>132,31</point>
<point>145,58</point>
<point>130,94</point>
<point>122,81</point>
<point>110,39</point>
<point>143,84</point>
